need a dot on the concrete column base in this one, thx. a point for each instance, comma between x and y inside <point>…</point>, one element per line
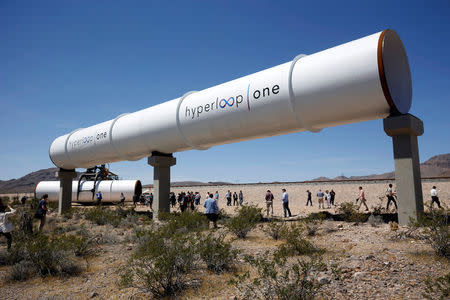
<point>404,130</point>
<point>161,181</point>
<point>65,189</point>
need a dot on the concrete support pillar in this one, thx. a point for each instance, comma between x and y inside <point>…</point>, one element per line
<point>65,189</point>
<point>404,130</point>
<point>161,181</point>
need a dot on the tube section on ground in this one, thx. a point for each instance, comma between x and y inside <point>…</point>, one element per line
<point>110,189</point>
<point>365,79</point>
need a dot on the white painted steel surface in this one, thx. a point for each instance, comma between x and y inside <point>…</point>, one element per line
<point>361,80</point>
<point>110,189</point>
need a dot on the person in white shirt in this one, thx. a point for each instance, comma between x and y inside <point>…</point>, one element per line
<point>434,197</point>
<point>328,197</point>
<point>390,194</point>
<point>6,225</point>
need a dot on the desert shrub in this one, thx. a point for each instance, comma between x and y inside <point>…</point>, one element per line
<point>161,263</point>
<point>15,200</point>
<point>439,287</point>
<point>350,214</point>
<point>102,216</point>
<point>48,255</point>
<point>185,222</point>
<point>275,279</point>
<point>435,230</point>
<point>295,243</point>
<point>53,205</point>
<point>312,226</point>
<point>216,253</point>
<point>5,200</point>
<point>22,271</point>
<point>246,219</point>
<point>318,216</point>
<point>275,229</point>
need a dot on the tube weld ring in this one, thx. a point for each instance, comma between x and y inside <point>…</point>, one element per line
<point>292,97</point>
<point>180,131</point>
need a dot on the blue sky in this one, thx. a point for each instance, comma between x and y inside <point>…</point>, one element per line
<point>71,64</point>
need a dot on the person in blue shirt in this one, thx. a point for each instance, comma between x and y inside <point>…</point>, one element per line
<point>99,197</point>
<point>211,209</point>
<point>285,199</point>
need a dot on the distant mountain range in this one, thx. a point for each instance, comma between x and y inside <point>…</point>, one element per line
<point>437,166</point>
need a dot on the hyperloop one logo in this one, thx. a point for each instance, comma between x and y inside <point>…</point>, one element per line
<point>222,103</point>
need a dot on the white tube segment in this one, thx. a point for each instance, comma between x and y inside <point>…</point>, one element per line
<point>365,79</point>
<point>110,189</point>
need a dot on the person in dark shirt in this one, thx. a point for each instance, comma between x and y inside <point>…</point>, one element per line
<point>333,195</point>
<point>309,199</point>
<point>41,212</point>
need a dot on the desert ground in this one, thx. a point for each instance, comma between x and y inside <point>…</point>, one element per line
<point>364,261</point>
<point>369,260</point>
<point>345,192</point>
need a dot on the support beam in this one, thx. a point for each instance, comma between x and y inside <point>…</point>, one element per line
<point>65,189</point>
<point>161,181</point>
<point>404,130</point>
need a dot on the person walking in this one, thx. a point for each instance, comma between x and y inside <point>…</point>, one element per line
<point>285,200</point>
<point>41,212</point>
<point>122,198</point>
<point>135,199</point>
<point>390,194</point>
<point>309,198</point>
<point>333,195</point>
<point>320,196</point>
<point>269,203</point>
<point>99,196</point>
<point>362,198</point>
<point>434,197</point>
<point>217,197</point>
<point>211,209</point>
<point>173,199</point>
<point>197,198</point>
<point>23,200</point>
<point>328,197</point>
<point>241,198</point>
<point>150,201</point>
<point>6,225</point>
<point>235,199</point>
<point>228,197</point>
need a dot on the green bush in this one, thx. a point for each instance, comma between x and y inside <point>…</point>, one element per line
<point>439,287</point>
<point>102,216</point>
<point>161,263</point>
<point>295,243</point>
<point>49,255</point>
<point>246,219</point>
<point>436,231</point>
<point>185,222</point>
<point>350,214</point>
<point>275,279</point>
<point>216,253</point>
<point>275,229</point>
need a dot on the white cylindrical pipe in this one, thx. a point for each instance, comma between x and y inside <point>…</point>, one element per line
<point>111,190</point>
<point>365,79</point>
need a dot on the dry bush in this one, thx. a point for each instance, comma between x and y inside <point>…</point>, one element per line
<point>246,219</point>
<point>217,253</point>
<point>275,229</point>
<point>276,279</point>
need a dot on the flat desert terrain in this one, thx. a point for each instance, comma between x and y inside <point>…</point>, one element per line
<point>345,192</point>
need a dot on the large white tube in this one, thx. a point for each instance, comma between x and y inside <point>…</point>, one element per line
<point>365,79</point>
<point>110,189</point>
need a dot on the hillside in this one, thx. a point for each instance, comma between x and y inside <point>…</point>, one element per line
<point>436,166</point>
